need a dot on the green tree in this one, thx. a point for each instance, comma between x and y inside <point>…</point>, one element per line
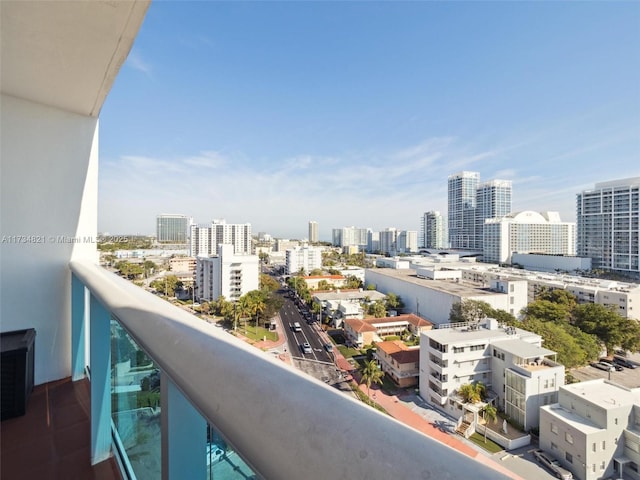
<point>167,285</point>
<point>316,272</point>
<point>393,302</point>
<point>324,285</point>
<point>547,311</point>
<point>371,286</point>
<point>352,282</point>
<point>371,373</point>
<point>377,309</point>
<point>562,297</point>
<point>469,311</point>
<point>490,415</point>
<point>557,338</point>
<point>129,270</point>
<point>149,268</point>
<point>472,392</point>
<point>268,283</point>
<point>612,329</point>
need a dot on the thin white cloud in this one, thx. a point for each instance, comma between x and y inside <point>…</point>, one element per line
<point>135,61</point>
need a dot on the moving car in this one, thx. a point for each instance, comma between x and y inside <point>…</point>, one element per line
<point>328,347</point>
<point>297,327</point>
<point>553,465</point>
<point>306,348</point>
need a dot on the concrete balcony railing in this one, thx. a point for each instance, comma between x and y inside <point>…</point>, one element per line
<point>282,423</point>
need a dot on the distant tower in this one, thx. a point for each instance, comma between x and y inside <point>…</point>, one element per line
<point>493,200</point>
<point>433,230</point>
<point>462,209</point>
<point>608,218</point>
<point>172,228</point>
<point>313,231</point>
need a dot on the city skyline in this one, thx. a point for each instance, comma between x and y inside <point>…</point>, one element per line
<point>356,113</point>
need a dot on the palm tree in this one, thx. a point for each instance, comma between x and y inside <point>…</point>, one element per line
<point>371,373</point>
<point>490,414</point>
<point>472,392</point>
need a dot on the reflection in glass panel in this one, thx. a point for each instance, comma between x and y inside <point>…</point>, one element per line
<point>135,403</point>
<point>223,463</point>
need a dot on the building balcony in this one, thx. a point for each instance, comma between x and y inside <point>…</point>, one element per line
<point>215,391</point>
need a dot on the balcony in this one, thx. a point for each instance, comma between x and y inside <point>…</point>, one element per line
<point>266,411</point>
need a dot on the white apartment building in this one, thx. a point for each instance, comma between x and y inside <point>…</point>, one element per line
<point>348,236</point>
<point>204,239</point>
<point>227,273</point>
<point>172,228</point>
<point>462,209</point>
<point>303,258</point>
<point>493,200</point>
<point>551,263</point>
<point>608,218</point>
<point>388,241</point>
<point>527,232</point>
<point>407,241</point>
<point>433,231</point>
<point>594,430</point>
<point>313,231</point>
<point>518,372</point>
<point>433,299</point>
<point>623,298</point>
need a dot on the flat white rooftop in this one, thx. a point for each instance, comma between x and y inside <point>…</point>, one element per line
<point>460,335</point>
<point>523,349</point>
<point>453,288</point>
<point>604,393</point>
<point>572,419</point>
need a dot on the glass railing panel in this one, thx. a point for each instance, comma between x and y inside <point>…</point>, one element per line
<point>223,463</point>
<point>135,404</point>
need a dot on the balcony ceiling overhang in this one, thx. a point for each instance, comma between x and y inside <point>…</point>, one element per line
<point>66,54</point>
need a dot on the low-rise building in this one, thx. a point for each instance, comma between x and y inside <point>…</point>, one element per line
<point>520,375</point>
<point>359,332</point>
<point>594,430</point>
<point>314,281</point>
<point>399,362</point>
<point>182,264</point>
<point>433,299</point>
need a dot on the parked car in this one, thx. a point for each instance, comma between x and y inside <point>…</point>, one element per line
<point>553,465</point>
<point>328,347</point>
<point>306,348</point>
<point>611,363</point>
<point>619,360</point>
<point>603,366</point>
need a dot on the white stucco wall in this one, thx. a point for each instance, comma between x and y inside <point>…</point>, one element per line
<point>48,215</point>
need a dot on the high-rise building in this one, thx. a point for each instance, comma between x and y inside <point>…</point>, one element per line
<point>388,241</point>
<point>608,218</point>
<point>433,231</point>
<point>407,241</point>
<point>204,239</point>
<point>462,209</point>
<point>228,274</point>
<point>493,200</point>
<point>172,228</point>
<point>350,236</point>
<point>527,232</point>
<point>313,231</point>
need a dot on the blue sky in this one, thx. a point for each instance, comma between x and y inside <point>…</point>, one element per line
<point>355,113</point>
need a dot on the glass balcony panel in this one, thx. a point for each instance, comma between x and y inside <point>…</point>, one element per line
<point>135,404</point>
<point>224,463</point>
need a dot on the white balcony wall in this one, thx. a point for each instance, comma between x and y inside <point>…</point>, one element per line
<point>48,208</point>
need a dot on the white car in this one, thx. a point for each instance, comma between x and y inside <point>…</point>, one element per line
<point>553,465</point>
<point>306,348</point>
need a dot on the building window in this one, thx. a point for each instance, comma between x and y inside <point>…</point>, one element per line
<point>602,465</point>
<point>458,349</point>
<point>604,445</point>
<point>554,446</point>
<point>569,457</point>
<point>593,447</point>
<point>568,438</point>
<point>554,428</point>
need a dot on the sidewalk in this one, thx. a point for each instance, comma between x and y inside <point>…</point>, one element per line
<point>397,410</point>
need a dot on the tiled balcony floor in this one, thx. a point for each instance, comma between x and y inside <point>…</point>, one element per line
<point>52,440</point>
